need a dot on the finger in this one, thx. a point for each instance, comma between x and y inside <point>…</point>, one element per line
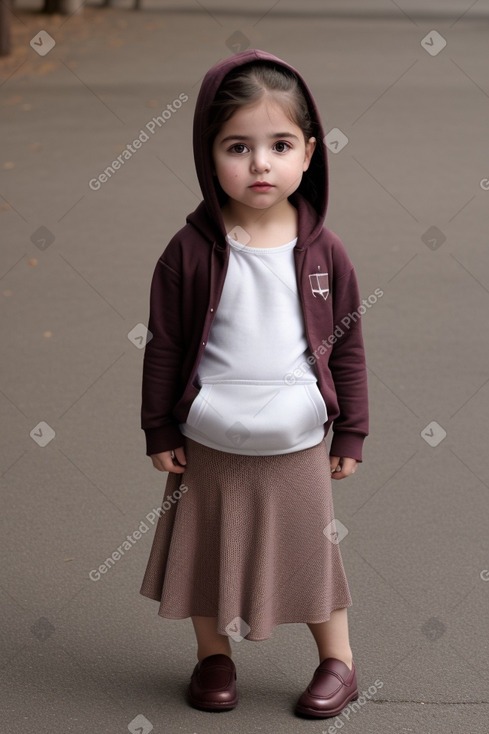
<point>165,462</point>
<point>180,455</point>
<point>338,473</point>
<point>333,462</point>
<point>349,466</point>
<point>172,466</point>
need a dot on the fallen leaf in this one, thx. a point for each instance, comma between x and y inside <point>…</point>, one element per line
<point>46,68</point>
<point>12,100</point>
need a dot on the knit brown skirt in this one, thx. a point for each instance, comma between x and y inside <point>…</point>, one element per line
<point>241,538</point>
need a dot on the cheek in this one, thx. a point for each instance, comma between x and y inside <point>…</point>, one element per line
<point>230,171</point>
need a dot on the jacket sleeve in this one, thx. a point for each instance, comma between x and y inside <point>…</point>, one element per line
<point>348,368</point>
<point>162,361</point>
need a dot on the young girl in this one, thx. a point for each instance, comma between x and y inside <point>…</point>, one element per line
<point>256,351</point>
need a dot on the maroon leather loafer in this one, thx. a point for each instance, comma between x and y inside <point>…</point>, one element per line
<point>213,684</point>
<point>332,687</point>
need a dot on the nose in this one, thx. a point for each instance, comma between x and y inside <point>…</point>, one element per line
<point>260,161</point>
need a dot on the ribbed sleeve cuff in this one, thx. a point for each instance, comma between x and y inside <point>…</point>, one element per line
<point>346,444</point>
<point>165,438</point>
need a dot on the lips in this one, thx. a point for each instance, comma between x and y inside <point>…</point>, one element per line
<point>261,186</point>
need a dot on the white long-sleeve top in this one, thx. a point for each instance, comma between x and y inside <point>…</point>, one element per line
<point>245,405</point>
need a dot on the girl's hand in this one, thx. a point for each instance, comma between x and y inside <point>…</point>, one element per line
<point>173,461</point>
<point>342,467</point>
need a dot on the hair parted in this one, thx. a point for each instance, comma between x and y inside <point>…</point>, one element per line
<point>248,84</point>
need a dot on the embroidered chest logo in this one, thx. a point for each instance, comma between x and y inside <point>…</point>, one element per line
<point>319,284</point>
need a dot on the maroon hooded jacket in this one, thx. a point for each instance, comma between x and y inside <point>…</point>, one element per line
<point>188,281</point>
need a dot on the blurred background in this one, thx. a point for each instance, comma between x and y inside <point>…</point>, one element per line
<point>402,88</point>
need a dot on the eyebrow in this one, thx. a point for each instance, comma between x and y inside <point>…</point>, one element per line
<point>248,137</point>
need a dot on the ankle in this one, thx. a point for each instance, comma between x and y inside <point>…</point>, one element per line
<point>207,652</point>
<point>344,656</point>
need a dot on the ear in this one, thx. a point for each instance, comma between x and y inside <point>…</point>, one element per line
<point>310,147</point>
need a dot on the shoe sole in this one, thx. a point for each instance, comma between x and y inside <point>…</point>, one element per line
<point>318,714</point>
<point>203,706</point>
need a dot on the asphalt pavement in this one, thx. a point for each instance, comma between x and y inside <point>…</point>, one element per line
<point>403,91</point>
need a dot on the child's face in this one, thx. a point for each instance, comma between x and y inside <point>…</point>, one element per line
<point>261,144</point>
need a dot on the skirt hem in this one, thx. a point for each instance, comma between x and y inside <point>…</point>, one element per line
<point>181,616</point>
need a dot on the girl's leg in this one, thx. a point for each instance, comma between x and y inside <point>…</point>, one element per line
<point>332,637</point>
<point>209,641</point>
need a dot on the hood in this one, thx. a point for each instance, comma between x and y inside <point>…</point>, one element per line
<point>311,196</point>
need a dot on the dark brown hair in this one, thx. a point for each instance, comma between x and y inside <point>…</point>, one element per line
<point>248,84</point>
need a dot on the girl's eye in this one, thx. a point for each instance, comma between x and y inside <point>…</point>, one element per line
<point>238,148</point>
<point>281,146</point>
